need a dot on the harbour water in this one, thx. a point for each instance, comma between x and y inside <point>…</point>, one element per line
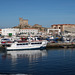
<point>38,62</point>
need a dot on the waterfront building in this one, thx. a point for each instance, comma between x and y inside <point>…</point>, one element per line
<point>66,29</point>
<point>42,34</point>
<point>51,31</point>
<point>28,31</point>
<point>10,31</point>
<point>39,27</point>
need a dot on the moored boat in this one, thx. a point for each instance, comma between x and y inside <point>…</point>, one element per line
<point>30,44</point>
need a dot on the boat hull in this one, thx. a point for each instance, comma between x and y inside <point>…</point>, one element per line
<point>37,48</point>
<point>27,46</point>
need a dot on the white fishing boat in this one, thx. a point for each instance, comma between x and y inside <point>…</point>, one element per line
<point>30,44</point>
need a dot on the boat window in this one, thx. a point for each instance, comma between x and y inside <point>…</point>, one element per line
<point>26,43</point>
<point>37,43</point>
<point>23,44</point>
<point>19,44</point>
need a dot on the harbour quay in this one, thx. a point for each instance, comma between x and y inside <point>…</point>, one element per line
<point>60,45</point>
<point>57,35</point>
<point>56,45</point>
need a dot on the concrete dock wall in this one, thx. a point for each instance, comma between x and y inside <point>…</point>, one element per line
<point>60,45</point>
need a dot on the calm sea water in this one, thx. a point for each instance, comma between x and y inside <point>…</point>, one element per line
<point>38,62</point>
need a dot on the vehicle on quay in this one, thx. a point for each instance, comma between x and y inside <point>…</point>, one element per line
<point>7,41</point>
<point>31,43</point>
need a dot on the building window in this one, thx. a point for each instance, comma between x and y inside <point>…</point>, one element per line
<point>59,27</point>
<point>54,27</point>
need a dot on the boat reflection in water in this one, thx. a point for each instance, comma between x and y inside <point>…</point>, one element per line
<point>29,54</point>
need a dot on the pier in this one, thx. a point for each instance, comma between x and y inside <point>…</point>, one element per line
<point>60,45</point>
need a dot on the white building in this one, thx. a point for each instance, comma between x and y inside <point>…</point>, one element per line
<point>53,31</point>
<point>27,31</point>
<point>8,31</point>
<point>22,32</point>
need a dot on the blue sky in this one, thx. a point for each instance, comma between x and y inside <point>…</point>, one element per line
<point>43,12</point>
